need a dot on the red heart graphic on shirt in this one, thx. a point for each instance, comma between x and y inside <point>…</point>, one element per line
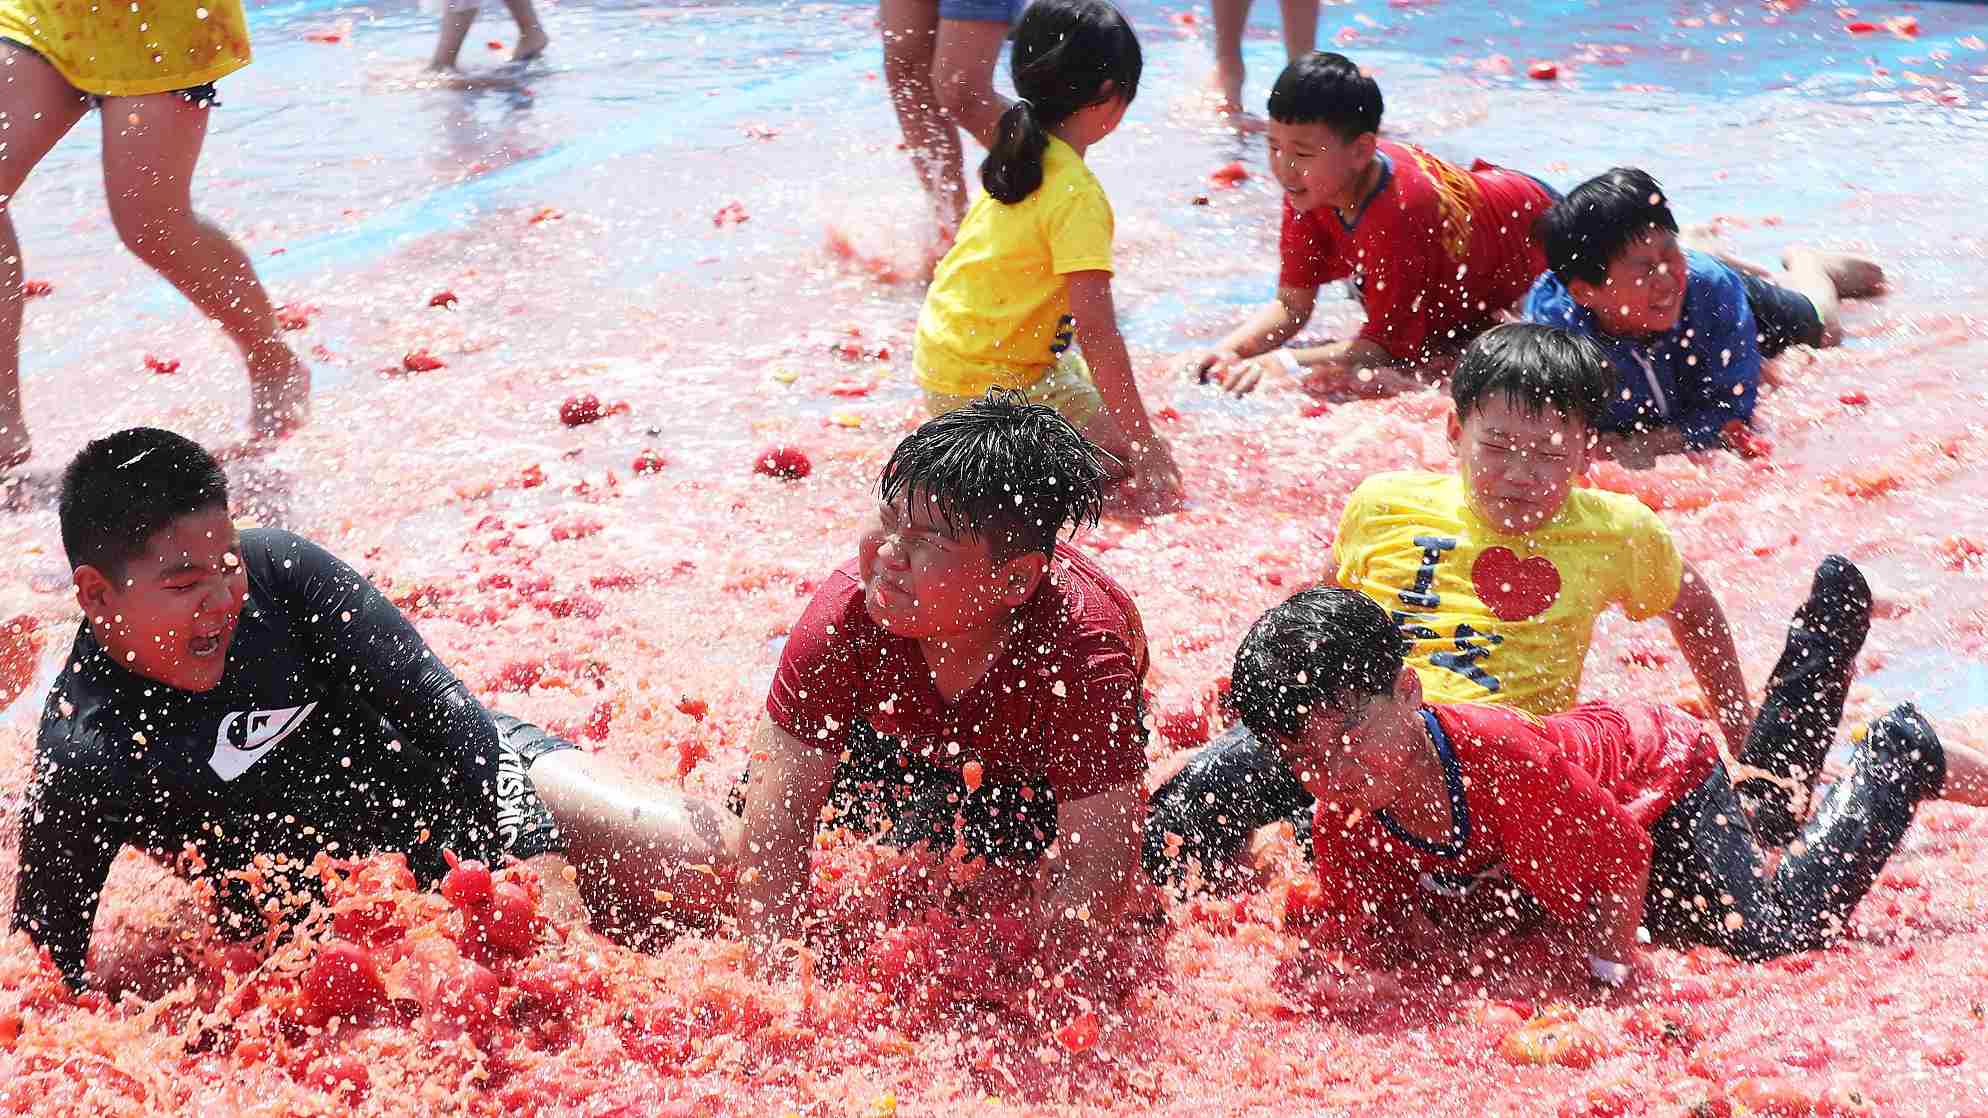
<point>1514,589</point>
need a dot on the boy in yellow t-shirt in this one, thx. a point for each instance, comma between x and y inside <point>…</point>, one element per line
<point>1496,575</point>
<point>1030,272</point>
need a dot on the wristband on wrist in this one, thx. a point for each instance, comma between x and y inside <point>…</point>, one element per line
<point>1289,361</point>
<point>1611,973</point>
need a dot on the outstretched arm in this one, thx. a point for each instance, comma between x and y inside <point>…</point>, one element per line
<point>359,641</point>
<point>1699,627</point>
<point>1098,839</point>
<point>1153,475</point>
<point>71,830</point>
<point>1228,361</point>
<point>789,785</point>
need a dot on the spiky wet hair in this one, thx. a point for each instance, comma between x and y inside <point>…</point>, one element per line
<point>1327,646</point>
<point>1002,468</point>
<point>124,487</point>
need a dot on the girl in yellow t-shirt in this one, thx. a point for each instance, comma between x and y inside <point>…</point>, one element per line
<point>1031,269</point>
<point>150,67</point>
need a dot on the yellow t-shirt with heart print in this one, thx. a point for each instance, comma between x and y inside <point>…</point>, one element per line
<point>1491,616</point>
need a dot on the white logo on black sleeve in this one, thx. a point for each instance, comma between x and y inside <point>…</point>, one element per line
<point>245,735</point>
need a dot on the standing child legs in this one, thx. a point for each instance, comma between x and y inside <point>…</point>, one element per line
<point>37,108</point>
<point>458,15</point>
<point>939,67</point>
<point>151,145</point>
<point>1231,16</point>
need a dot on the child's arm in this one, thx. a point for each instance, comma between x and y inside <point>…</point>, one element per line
<point>789,784</point>
<point>1699,627</point>
<point>1271,326</point>
<point>1148,459</point>
<point>1098,843</point>
<point>355,637</point>
<point>71,828</point>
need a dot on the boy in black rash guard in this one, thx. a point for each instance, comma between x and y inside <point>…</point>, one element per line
<point>244,695</point>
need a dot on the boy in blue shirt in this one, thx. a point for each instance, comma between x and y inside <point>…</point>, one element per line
<point>1686,331</point>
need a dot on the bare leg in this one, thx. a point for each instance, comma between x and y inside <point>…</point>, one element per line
<point>910,32</point>
<point>532,39</point>
<point>1967,776</point>
<point>1827,278</point>
<point>455,28</point>
<point>151,145</point>
<point>644,855</point>
<point>37,107</point>
<point>1300,28</point>
<point>963,75</point>
<point>1227,78</point>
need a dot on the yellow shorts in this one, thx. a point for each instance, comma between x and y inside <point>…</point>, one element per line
<point>1067,387</point>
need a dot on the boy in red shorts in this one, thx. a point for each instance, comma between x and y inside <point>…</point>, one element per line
<point>965,677</point>
<point>1434,252</point>
<point>1611,819</point>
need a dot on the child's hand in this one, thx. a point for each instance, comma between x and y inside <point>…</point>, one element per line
<point>1152,480</point>
<point>1240,378</point>
<point>1208,364</point>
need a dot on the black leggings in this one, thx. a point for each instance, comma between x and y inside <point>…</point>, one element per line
<point>1708,883</point>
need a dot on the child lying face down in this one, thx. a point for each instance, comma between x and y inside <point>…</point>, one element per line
<point>1609,818</point>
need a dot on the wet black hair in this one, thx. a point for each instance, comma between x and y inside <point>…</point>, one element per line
<point>122,489</point>
<point>1536,368</point>
<point>1584,232</point>
<point>1326,88</point>
<point>1002,468</point>
<point>1068,55</point>
<point>1322,647</point>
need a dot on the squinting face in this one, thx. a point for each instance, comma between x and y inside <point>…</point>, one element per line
<point>1644,291</point>
<point>1315,166</point>
<point>920,581</point>
<point>172,615</point>
<point>1349,759</point>
<point>1518,468</point>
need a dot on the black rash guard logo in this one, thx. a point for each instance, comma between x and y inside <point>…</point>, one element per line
<point>245,736</point>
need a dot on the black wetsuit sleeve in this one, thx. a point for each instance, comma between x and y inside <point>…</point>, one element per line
<point>358,642</point>
<point>72,825</point>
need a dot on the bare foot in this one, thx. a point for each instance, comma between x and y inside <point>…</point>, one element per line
<point>531,44</point>
<point>1853,276</point>
<point>279,392</point>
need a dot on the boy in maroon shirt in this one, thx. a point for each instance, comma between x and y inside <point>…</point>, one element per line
<point>1434,252</point>
<point>964,677</point>
<point>1613,819</point>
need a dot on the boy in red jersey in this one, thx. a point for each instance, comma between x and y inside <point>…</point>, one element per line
<point>1434,252</point>
<point>1611,819</point>
<point>965,677</point>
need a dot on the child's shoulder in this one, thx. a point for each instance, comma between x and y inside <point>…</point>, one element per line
<point>1707,274</point>
<point>1085,602</point>
<point>80,724</point>
<point>1417,487</point>
<point>1591,509</point>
